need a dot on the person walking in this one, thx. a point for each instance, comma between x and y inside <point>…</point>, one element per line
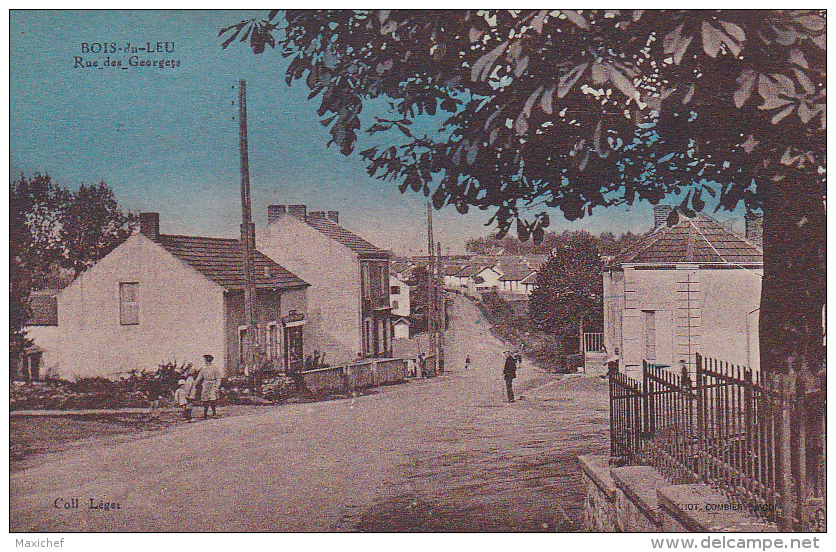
<point>467,362</point>
<point>510,372</point>
<point>191,391</point>
<point>209,380</point>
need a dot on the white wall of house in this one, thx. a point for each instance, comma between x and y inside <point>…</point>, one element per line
<point>333,270</point>
<point>668,315</point>
<point>490,277</point>
<point>401,298</point>
<point>401,330</point>
<point>180,314</point>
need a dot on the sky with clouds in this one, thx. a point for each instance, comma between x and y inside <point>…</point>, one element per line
<point>166,139</point>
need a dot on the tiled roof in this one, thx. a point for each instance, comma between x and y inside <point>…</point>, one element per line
<point>452,270</point>
<point>469,272</point>
<point>698,239</point>
<point>530,279</point>
<point>343,236</point>
<point>515,274</point>
<point>44,305</point>
<point>220,260</point>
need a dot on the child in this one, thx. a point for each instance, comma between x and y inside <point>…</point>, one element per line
<point>181,399</point>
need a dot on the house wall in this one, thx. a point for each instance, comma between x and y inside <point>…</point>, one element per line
<point>333,270</point>
<point>706,308</point>
<point>401,330</point>
<point>180,314</point>
<point>271,306</point>
<point>402,298</point>
<point>490,277</point>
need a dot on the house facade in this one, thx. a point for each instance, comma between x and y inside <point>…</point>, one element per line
<point>40,359</point>
<point>399,296</point>
<point>162,298</point>
<point>349,313</point>
<point>518,281</point>
<point>693,287</point>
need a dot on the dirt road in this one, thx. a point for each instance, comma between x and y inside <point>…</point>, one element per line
<point>445,454</point>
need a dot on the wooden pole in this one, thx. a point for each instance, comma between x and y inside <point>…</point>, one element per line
<point>431,284</point>
<point>247,229</point>
<point>442,309</point>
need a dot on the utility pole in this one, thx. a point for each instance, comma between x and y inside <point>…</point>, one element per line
<point>442,310</point>
<point>247,230</point>
<point>431,285</point>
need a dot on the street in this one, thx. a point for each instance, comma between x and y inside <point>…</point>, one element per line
<point>443,454</point>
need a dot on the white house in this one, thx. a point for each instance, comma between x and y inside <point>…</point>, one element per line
<point>512,281</point>
<point>400,327</point>
<point>40,359</point>
<point>348,302</point>
<point>160,298</point>
<point>398,296</point>
<point>690,288</point>
<point>487,278</point>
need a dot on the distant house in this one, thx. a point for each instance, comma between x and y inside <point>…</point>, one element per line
<point>512,281</point>
<point>161,298</point>
<point>450,272</point>
<point>693,287</point>
<point>465,277</point>
<point>40,359</point>
<point>487,278</point>
<point>348,302</point>
<point>398,296</point>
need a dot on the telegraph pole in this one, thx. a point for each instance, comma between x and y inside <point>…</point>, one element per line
<point>247,229</point>
<point>431,284</point>
<point>442,309</point>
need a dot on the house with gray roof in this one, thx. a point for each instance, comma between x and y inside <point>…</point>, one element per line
<point>163,298</point>
<point>349,311</point>
<point>692,286</point>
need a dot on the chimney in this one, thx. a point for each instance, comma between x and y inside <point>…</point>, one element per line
<point>298,211</point>
<point>754,229</point>
<point>149,225</point>
<point>316,215</point>
<point>660,215</point>
<point>334,216</point>
<point>274,212</point>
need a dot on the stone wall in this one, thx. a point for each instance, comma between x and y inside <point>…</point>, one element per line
<point>639,499</point>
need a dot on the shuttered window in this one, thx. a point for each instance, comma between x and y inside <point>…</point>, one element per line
<point>128,303</point>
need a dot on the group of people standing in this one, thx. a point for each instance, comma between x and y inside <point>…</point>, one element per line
<point>200,387</point>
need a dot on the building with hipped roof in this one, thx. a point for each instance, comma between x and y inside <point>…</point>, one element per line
<point>349,312</point>
<point>163,298</point>
<point>691,286</point>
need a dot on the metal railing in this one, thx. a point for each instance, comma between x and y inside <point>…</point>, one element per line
<point>760,440</point>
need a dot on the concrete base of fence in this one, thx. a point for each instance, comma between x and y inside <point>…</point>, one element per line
<point>354,376</point>
<point>639,499</point>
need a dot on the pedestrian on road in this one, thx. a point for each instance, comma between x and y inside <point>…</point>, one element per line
<point>510,372</point>
<point>209,379</point>
<point>422,364</point>
<point>191,390</point>
<point>467,362</point>
<point>182,400</point>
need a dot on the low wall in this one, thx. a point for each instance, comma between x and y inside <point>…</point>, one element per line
<point>339,379</point>
<point>639,499</point>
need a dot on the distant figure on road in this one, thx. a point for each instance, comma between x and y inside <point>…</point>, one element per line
<point>467,362</point>
<point>510,372</point>
<point>422,365</point>
<point>209,379</point>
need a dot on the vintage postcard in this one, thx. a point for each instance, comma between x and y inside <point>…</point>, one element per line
<point>440,271</point>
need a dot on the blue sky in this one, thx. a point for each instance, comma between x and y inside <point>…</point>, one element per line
<point>166,141</point>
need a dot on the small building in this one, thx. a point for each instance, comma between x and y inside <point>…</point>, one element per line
<point>40,359</point>
<point>487,278</point>
<point>398,296</point>
<point>512,281</point>
<point>163,298</point>
<point>693,287</point>
<point>349,313</point>
<point>400,327</point>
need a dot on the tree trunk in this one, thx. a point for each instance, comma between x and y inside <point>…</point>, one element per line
<point>793,293</point>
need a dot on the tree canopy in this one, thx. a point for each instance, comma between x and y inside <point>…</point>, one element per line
<point>54,234</point>
<point>515,109</point>
<point>569,290</point>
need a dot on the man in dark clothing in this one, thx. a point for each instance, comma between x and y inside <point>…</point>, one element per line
<point>510,372</point>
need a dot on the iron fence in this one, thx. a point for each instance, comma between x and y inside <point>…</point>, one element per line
<point>758,439</point>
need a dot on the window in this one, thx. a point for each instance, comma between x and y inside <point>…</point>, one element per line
<point>367,336</point>
<point>395,305</point>
<point>273,340</point>
<point>128,303</point>
<point>384,279</point>
<point>649,335</point>
<point>242,343</point>
<point>396,290</point>
<point>366,283</point>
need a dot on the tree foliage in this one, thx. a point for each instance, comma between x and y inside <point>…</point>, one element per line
<point>569,290</point>
<point>54,234</point>
<point>511,110</point>
<point>607,243</point>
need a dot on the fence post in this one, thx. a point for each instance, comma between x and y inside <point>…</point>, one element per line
<point>700,388</point>
<point>800,448</point>
<point>612,369</point>
<point>784,464</point>
<point>647,428</point>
